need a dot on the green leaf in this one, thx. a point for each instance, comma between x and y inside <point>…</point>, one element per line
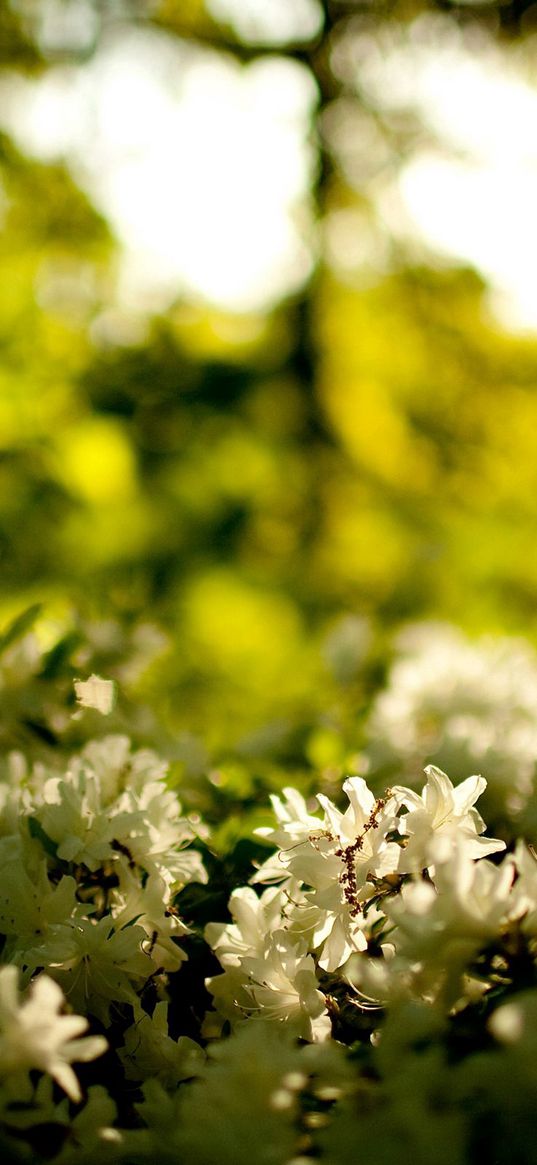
<point>56,659</point>
<point>19,626</point>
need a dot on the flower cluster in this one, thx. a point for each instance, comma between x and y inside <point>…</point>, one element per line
<point>374,981</point>
<point>90,861</point>
<point>466,705</point>
<point>92,856</point>
<point>382,878</point>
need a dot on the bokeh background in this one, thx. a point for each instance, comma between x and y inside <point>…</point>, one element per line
<point>268,387</point>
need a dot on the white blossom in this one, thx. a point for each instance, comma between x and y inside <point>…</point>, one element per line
<point>337,860</point>
<point>96,964</point>
<point>35,1034</point>
<point>254,917</point>
<point>443,814</point>
<point>279,984</point>
<point>467,705</point>
<point>95,693</point>
<point>150,1053</point>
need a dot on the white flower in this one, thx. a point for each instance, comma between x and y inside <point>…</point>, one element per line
<point>150,826</point>
<point>34,1033</point>
<point>469,901</point>
<point>149,905</point>
<point>467,705</point>
<point>95,964</point>
<point>439,927</point>
<point>336,860</point>
<point>113,806</point>
<point>95,693</point>
<point>267,970</point>
<point>117,768</point>
<point>29,902</point>
<point>149,1052</point>
<point>73,817</point>
<point>524,892</point>
<point>443,813</point>
<point>278,984</point>
<point>295,823</point>
<point>254,918</point>
<point>282,985</point>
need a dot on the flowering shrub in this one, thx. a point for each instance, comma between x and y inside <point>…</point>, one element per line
<point>369,990</point>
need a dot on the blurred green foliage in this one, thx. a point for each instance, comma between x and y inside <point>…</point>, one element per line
<point>230,515</point>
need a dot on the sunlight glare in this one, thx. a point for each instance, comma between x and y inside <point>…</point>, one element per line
<point>472,195</point>
<point>201,166</point>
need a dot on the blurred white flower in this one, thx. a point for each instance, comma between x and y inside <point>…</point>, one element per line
<point>113,805</point>
<point>439,926</point>
<point>525,888</point>
<point>34,1033</point>
<point>507,1023</point>
<point>95,693</point>
<point>467,706</point>
<point>279,983</point>
<point>468,901</point>
<point>150,1053</point>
